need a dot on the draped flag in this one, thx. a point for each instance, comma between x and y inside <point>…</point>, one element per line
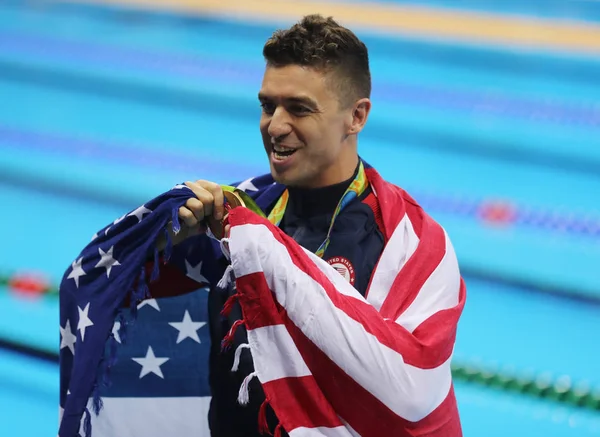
<point>331,362</point>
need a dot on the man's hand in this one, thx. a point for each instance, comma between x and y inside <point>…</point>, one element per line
<point>208,202</point>
<point>207,205</point>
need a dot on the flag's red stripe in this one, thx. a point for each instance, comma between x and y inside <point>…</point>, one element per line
<point>258,304</point>
<point>171,281</point>
<point>440,328</point>
<point>390,222</point>
<point>423,353</point>
<point>299,402</point>
<point>388,195</point>
<point>419,267</point>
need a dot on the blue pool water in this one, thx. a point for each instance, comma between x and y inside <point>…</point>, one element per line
<point>100,114</point>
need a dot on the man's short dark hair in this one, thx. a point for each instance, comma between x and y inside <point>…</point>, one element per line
<point>321,43</point>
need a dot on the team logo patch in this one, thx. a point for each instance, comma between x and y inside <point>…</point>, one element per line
<point>344,268</point>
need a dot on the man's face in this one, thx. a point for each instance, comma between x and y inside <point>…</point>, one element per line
<point>303,126</point>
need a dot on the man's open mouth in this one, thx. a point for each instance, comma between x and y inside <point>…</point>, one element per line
<point>282,152</point>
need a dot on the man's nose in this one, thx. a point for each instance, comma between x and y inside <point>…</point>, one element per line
<point>280,124</point>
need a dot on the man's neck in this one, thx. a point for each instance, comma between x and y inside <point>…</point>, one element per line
<point>321,200</point>
<point>342,170</point>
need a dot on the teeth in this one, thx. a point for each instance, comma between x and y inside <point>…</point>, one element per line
<point>278,148</point>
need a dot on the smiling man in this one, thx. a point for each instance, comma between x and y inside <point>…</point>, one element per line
<point>315,101</point>
<point>332,313</point>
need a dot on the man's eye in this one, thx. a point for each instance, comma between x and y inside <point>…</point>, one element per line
<point>298,109</point>
<point>267,107</point>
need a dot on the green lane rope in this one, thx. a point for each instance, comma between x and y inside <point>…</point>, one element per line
<point>543,385</point>
<point>561,390</point>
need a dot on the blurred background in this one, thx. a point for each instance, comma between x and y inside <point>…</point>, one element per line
<point>486,111</point>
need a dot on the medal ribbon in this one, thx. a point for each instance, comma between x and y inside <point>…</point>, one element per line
<point>356,188</point>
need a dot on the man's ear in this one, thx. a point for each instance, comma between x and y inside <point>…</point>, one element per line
<point>360,114</point>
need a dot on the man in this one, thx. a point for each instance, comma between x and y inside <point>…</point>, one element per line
<point>336,313</point>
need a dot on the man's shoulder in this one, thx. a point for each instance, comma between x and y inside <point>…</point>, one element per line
<point>396,202</point>
<point>386,189</point>
<point>255,184</point>
<point>262,189</point>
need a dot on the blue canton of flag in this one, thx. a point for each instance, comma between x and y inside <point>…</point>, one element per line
<point>109,270</point>
<point>144,365</point>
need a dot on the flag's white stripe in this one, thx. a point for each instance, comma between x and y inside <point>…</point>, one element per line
<point>338,431</point>
<point>439,292</point>
<point>410,392</point>
<point>397,252</point>
<point>274,354</point>
<point>151,417</point>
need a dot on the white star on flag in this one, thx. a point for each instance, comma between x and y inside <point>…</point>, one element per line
<point>150,302</point>
<point>77,271</point>
<point>84,320</point>
<point>94,236</point>
<point>107,260</point>
<point>139,212</point>
<point>187,328</point>
<point>195,272</point>
<point>120,219</point>
<point>151,364</point>
<point>181,186</point>
<point>247,185</point>
<point>115,331</point>
<point>67,338</point>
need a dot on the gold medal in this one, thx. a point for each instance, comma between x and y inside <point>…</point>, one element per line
<point>233,200</point>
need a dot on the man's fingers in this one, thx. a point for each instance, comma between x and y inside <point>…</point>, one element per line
<point>196,207</point>
<point>217,193</point>
<point>187,216</point>
<point>204,196</point>
<point>209,201</point>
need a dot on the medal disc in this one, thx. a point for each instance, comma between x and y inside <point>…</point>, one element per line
<point>232,200</point>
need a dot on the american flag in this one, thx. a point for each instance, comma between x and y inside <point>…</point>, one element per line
<point>331,362</point>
